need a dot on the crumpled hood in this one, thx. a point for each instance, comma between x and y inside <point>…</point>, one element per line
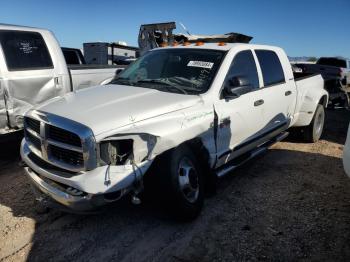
<point>103,108</point>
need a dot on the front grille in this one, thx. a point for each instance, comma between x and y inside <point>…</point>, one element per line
<point>33,140</point>
<point>33,124</point>
<point>63,136</point>
<point>45,165</point>
<point>53,140</point>
<point>67,156</point>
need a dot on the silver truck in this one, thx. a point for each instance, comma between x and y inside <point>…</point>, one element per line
<point>33,70</point>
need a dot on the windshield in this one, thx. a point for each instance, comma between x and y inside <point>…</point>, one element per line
<point>184,71</point>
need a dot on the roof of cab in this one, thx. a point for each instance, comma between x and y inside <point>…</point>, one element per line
<point>20,27</point>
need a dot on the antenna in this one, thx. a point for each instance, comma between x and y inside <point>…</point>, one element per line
<point>184,28</point>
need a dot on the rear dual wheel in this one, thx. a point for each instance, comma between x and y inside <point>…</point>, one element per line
<point>313,132</point>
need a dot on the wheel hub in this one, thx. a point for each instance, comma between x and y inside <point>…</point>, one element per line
<point>188,180</point>
<point>319,123</point>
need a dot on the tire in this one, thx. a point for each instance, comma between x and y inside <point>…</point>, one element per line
<point>179,182</point>
<point>313,132</point>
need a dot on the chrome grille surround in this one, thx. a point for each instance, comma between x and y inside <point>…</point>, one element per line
<point>87,148</point>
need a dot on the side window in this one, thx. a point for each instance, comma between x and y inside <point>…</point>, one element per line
<point>25,50</point>
<point>243,65</point>
<point>271,67</point>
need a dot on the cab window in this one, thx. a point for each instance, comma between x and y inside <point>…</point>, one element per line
<point>271,67</point>
<point>243,66</point>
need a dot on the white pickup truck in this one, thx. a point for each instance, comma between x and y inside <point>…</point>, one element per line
<point>33,70</point>
<point>179,116</point>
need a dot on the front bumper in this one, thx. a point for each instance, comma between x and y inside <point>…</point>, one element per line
<point>98,187</point>
<point>76,203</point>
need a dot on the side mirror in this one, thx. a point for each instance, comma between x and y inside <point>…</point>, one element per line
<point>237,86</point>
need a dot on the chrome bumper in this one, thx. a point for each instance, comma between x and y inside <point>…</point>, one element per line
<point>76,203</point>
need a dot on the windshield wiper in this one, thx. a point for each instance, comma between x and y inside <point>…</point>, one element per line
<point>188,85</point>
<point>160,82</point>
<point>122,81</point>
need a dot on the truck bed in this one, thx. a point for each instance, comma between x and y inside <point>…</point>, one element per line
<point>327,72</point>
<point>302,75</point>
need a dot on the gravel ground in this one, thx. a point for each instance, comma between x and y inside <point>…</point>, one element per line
<point>293,203</point>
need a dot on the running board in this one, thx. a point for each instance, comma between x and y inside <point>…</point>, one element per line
<point>233,164</point>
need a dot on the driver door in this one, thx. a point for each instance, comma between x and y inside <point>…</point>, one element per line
<point>239,118</point>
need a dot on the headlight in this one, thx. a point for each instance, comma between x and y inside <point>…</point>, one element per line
<point>124,149</point>
<point>116,152</point>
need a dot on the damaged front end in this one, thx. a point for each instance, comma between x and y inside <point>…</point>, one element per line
<point>65,164</point>
<point>133,152</point>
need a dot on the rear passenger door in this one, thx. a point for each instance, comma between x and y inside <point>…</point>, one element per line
<point>278,93</point>
<point>28,76</point>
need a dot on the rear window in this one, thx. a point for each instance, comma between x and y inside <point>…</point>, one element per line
<point>271,67</point>
<point>24,50</point>
<point>71,57</point>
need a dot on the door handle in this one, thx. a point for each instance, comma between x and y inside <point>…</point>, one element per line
<point>258,102</point>
<point>287,93</point>
<point>58,82</point>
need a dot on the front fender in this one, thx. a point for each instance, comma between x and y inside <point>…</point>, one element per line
<point>173,129</point>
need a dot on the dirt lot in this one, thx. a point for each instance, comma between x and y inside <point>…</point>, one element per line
<point>292,203</point>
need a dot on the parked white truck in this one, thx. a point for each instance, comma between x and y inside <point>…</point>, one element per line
<point>33,70</point>
<point>179,116</point>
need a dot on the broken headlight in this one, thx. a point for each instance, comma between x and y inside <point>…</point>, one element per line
<point>125,149</point>
<point>116,152</point>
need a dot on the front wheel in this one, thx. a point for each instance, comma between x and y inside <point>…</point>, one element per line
<point>180,182</point>
<point>313,132</point>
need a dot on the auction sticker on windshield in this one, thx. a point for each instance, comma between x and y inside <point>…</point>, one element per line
<point>201,64</point>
